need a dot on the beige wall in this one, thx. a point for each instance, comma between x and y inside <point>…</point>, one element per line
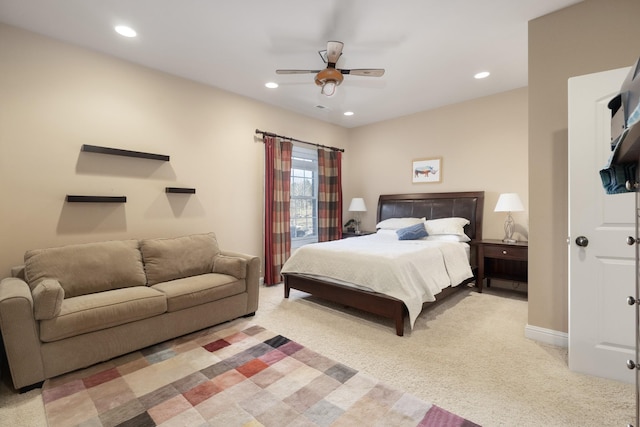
<point>483,145</point>
<point>56,97</point>
<point>592,36</point>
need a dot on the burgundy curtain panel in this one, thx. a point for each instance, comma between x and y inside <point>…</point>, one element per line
<point>277,203</point>
<point>329,195</point>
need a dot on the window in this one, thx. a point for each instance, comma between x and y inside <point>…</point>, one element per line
<point>304,196</point>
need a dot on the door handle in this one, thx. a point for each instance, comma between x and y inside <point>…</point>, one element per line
<point>582,241</point>
<point>631,240</point>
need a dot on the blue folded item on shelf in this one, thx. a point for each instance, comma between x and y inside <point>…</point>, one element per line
<point>614,176</point>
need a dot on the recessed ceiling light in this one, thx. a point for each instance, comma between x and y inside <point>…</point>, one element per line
<point>125,31</point>
<point>482,75</point>
<point>271,85</point>
<point>348,113</point>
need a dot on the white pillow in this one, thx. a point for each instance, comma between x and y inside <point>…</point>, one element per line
<point>451,225</point>
<point>389,234</point>
<point>448,238</point>
<point>398,223</point>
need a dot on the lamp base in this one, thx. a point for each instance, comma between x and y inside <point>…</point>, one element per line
<point>508,229</point>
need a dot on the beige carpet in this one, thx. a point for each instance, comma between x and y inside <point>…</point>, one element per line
<point>467,355</point>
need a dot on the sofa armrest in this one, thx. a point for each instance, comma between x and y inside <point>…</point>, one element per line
<point>20,332</point>
<point>252,277</point>
<point>231,265</point>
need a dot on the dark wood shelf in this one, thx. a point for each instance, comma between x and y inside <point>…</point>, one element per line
<point>120,152</point>
<point>96,199</point>
<point>180,190</point>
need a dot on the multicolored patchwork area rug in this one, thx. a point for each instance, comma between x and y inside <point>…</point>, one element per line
<point>242,375</point>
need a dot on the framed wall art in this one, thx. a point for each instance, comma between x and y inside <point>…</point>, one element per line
<point>427,170</point>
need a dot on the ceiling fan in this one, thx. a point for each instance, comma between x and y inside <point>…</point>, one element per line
<point>331,77</point>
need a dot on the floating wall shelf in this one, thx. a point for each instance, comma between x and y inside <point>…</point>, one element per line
<point>180,190</point>
<point>96,199</point>
<point>127,153</point>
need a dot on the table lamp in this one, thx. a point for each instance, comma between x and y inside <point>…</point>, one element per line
<point>509,202</point>
<point>357,205</point>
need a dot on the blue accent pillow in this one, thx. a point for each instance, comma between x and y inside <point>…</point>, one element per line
<point>413,232</point>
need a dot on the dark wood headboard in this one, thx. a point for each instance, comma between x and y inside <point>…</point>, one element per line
<point>468,205</point>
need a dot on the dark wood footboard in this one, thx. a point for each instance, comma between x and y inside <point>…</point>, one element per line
<point>371,302</point>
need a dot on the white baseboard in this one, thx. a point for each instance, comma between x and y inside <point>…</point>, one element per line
<point>547,336</point>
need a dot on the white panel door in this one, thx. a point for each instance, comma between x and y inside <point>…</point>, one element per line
<point>601,274</point>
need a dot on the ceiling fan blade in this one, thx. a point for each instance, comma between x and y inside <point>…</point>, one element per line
<point>370,72</point>
<point>297,71</point>
<point>334,50</point>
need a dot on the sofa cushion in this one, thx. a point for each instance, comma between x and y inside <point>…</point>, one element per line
<point>196,290</point>
<point>231,265</point>
<point>175,258</point>
<point>87,268</point>
<point>47,299</point>
<point>102,310</point>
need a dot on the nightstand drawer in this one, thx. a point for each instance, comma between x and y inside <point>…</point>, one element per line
<point>506,252</point>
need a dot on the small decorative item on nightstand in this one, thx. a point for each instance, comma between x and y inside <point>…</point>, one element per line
<point>347,234</point>
<point>351,226</point>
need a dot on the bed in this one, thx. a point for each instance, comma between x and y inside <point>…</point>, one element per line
<point>431,206</point>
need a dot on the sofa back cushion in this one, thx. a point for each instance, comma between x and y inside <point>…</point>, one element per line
<point>175,258</point>
<point>87,268</point>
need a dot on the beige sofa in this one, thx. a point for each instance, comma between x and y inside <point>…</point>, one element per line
<point>73,306</point>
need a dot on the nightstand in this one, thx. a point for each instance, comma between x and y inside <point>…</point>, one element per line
<point>347,234</point>
<point>500,260</point>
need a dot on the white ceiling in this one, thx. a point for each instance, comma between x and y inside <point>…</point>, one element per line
<point>430,48</point>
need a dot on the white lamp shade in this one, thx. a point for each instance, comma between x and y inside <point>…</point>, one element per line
<point>509,202</point>
<point>357,205</point>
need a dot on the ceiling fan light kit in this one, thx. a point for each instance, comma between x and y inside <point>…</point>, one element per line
<point>328,89</point>
<point>331,77</point>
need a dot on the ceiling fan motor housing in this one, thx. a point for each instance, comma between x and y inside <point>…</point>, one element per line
<point>329,74</point>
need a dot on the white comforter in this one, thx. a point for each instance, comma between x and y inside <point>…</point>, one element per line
<point>413,271</point>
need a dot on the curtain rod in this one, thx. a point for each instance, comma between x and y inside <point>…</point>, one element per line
<point>297,140</point>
